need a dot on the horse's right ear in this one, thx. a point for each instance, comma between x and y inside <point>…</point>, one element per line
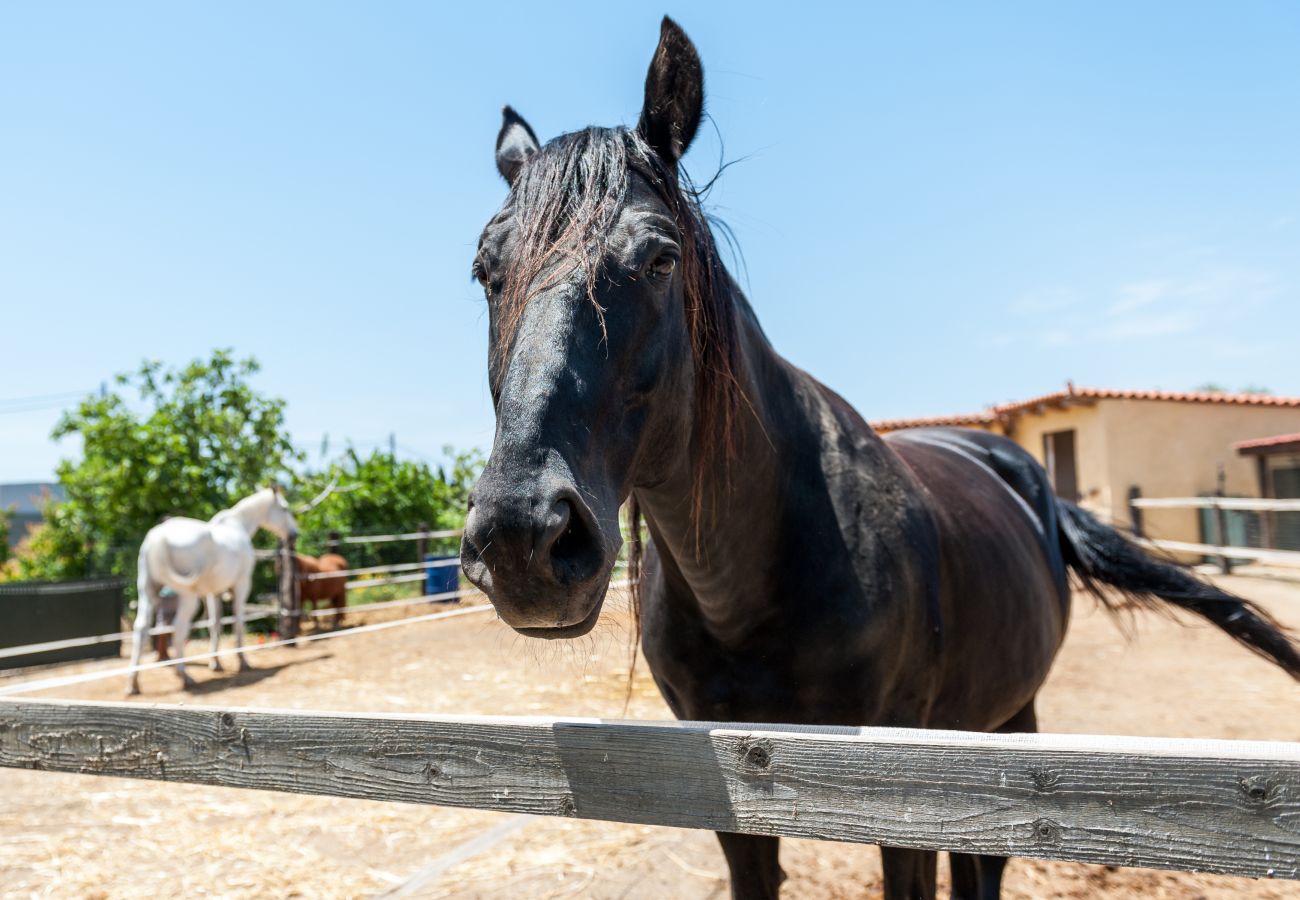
<point>515,144</point>
<point>674,94</point>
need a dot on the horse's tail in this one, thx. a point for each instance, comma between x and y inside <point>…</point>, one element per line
<point>1099,555</point>
<point>167,574</point>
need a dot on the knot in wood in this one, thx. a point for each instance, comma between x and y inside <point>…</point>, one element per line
<point>758,755</point>
<point>1257,788</point>
<point>228,720</point>
<point>568,807</point>
<point>1044,780</point>
<point>1046,831</point>
<point>432,771</point>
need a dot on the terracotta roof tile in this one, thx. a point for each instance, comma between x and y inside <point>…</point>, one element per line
<point>983,418</point>
<point>1086,393</point>
<point>1072,393</point>
<point>1276,440</point>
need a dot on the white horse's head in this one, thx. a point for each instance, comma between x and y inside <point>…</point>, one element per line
<point>278,518</point>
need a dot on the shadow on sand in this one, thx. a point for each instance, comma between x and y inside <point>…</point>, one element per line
<point>235,679</point>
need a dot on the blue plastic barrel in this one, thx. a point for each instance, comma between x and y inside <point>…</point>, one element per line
<point>443,579</point>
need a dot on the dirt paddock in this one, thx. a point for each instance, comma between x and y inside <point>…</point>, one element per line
<point>85,836</point>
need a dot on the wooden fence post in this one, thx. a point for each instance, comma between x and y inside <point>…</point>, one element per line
<point>1221,523</point>
<point>290,598</point>
<point>1265,490</point>
<point>421,548</point>
<point>1135,511</point>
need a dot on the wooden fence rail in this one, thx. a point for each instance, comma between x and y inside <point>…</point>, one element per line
<point>1283,557</point>
<point>1217,806</point>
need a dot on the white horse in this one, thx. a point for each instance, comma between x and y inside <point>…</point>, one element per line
<point>195,559</point>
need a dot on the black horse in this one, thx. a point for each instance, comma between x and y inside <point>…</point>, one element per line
<point>800,569</point>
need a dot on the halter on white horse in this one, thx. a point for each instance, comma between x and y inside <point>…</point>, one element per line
<point>195,559</point>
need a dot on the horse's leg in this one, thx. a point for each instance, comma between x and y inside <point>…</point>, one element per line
<point>214,630</point>
<point>909,874</point>
<point>186,606</point>
<point>146,603</point>
<point>340,600</point>
<point>754,861</point>
<point>240,597</point>
<point>160,641</point>
<point>978,877</point>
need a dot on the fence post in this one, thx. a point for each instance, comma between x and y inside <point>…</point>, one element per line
<point>290,604</point>
<point>1221,523</point>
<point>1135,512</point>
<point>1265,490</point>
<point>421,548</point>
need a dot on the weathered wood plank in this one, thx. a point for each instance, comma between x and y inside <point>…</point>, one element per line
<point>1216,806</point>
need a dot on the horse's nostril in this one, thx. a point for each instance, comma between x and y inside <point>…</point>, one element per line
<point>571,544</point>
<point>557,521</point>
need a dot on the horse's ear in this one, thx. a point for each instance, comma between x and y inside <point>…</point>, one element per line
<point>674,94</point>
<point>515,143</point>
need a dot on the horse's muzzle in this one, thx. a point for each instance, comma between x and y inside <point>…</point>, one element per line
<point>540,557</point>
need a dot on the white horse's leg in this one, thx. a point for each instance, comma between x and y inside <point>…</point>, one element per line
<point>186,606</point>
<point>239,598</point>
<point>214,629</point>
<point>146,602</point>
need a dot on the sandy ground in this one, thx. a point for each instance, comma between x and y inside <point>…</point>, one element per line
<point>84,836</point>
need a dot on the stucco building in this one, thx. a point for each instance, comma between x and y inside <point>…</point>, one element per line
<point>1100,445</point>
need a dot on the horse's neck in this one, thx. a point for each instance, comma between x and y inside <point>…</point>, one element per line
<point>248,513</point>
<point>724,563</point>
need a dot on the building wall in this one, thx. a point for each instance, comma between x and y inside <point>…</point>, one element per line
<point>1166,448</point>
<point>1091,449</point>
<point>1174,449</point>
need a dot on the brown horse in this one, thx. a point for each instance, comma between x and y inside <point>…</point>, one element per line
<point>317,591</point>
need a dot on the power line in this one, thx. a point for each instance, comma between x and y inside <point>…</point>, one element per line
<point>39,402</point>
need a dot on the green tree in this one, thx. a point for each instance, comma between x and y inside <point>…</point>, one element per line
<point>379,494</point>
<point>1213,387</point>
<point>197,439</point>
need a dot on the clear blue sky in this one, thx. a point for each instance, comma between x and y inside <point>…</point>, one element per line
<point>941,206</point>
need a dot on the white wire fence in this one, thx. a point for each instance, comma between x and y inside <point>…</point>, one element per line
<point>1232,529</point>
<point>42,684</point>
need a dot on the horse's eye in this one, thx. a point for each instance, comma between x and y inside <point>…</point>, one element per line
<point>480,273</point>
<point>663,266</point>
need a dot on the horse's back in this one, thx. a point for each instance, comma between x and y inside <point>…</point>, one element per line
<point>1003,586</point>
<point>322,588</point>
<point>332,562</point>
<point>193,556</point>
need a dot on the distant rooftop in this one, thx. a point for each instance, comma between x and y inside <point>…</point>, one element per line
<point>1278,443</point>
<point>1073,394</point>
<point>27,498</point>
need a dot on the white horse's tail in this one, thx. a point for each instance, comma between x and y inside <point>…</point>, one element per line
<point>157,556</point>
<point>169,574</point>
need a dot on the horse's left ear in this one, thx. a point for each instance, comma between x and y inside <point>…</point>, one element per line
<point>674,94</point>
<point>515,143</point>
